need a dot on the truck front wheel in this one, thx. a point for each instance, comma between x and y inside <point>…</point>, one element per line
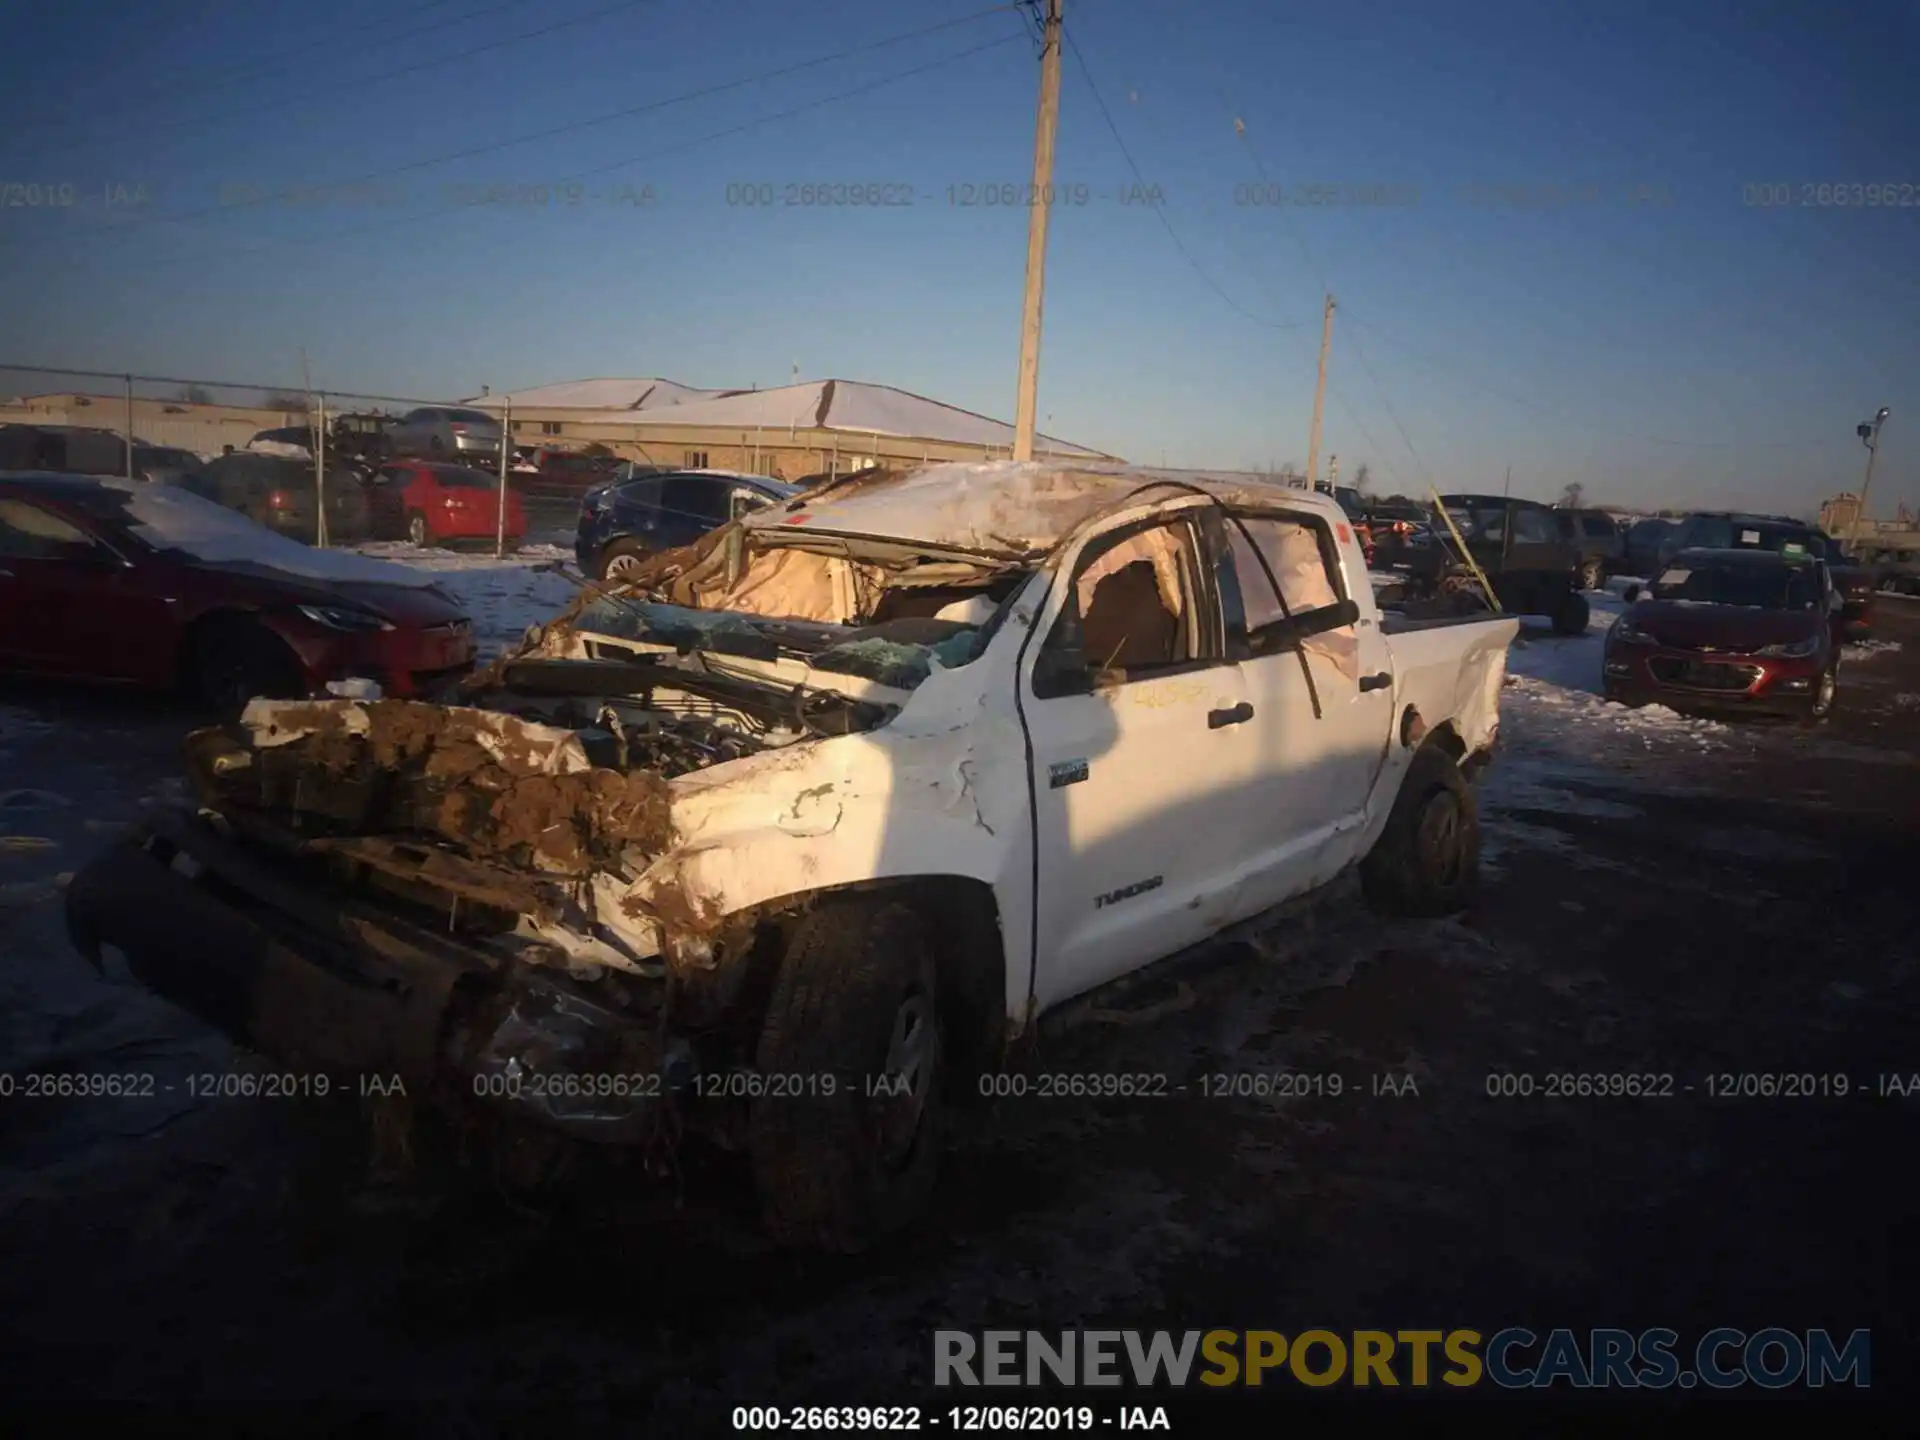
<point>846,1140</point>
<point>1427,860</point>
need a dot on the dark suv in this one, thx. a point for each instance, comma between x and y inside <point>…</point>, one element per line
<point>1732,530</point>
<point>636,515</point>
<point>1598,538</point>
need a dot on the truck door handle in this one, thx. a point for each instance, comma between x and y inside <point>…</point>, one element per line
<point>1238,715</point>
<point>1375,682</point>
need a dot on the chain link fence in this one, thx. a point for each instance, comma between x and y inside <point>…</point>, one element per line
<point>83,420</point>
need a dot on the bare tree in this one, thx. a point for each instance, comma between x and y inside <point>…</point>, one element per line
<point>195,395</point>
<point>1572,494</point>
<point>1363,478</point>
<point>291,404</point>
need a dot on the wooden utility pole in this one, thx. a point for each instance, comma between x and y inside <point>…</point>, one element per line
<point>1040,206</point>
<point>1319,398</point>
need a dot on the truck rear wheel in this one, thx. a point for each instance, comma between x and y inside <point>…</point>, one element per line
<point>845,1153</point>
<point>1427,860</point>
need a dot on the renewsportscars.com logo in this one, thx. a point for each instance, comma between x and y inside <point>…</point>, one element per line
<point>1514,1358</point>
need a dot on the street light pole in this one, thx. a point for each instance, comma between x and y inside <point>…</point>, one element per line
<point>1869,433</point>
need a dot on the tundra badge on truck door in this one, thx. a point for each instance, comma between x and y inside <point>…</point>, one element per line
<point>1127,892</point>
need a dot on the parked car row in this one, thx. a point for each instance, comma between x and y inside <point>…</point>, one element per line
<point>425,502</point>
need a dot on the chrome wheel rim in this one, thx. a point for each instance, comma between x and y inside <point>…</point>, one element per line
<point>417,530</point>
<point>1823,701</point>
<point>622,567</point>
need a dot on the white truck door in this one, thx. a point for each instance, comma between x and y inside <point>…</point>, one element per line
<point>1143,738</point>
<point>1327,686</point>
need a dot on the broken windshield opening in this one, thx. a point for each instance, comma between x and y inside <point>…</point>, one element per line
<point>898,653</point>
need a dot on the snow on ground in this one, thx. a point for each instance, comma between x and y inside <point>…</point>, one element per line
<point>1554,692</point>
<point>1867,649</point>
<point>503,596</point>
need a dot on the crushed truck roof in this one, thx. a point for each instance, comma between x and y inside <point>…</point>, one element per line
<point>1001,507</point>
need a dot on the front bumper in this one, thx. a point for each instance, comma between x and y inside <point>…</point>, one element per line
<point>404,661</point>
<point>327,985</point>
<point>1654,674</point>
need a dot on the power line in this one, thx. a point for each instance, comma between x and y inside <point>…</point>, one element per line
<point>1160,210</point>
<point>732,130</point>
<point>299,59</point>
<point>1246,140</point>
<point>363,82</point>
<point>575,126</point>
<point>1452,369</point>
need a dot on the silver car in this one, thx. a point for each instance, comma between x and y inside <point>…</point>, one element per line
<point>445,431</point>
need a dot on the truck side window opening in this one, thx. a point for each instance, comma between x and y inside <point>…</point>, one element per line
<point>1134,609</point>
<point>1302,560</point>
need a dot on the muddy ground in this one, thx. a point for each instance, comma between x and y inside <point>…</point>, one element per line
<point>1674,902</point>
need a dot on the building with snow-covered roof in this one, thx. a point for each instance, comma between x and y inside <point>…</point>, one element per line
<point>817,427</point>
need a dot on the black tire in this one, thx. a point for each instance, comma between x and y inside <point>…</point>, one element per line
<point>619,555</point>
<point>855,999</point>
<point>417,529</point>
<point>1571,613</point>
<point>231,660</point>
<point>1427,859</point>
<point>436,444</point>
<point>1593,575</point>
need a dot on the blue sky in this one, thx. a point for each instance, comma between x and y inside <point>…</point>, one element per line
<point>1539,243</point>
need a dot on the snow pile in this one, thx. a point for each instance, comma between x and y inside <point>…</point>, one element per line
<point>1587,720</point>
<point>1867,649</point>
<point>503,597</point>
<point>1907,702</point>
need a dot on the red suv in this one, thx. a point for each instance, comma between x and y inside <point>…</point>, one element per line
<point>1745,630</point>
<point>430,502</point>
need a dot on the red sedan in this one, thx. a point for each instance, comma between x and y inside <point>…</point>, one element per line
<point>149,585</point>
<point>432,502</point>
<point>1731,630</point>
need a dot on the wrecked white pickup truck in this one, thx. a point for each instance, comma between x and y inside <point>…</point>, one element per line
<point>795,835</point>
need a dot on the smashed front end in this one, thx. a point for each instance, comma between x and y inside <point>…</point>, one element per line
<point>444,894</point>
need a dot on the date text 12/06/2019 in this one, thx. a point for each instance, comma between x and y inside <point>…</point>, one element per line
<point>884,195</point>
<point>962,1419</point>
